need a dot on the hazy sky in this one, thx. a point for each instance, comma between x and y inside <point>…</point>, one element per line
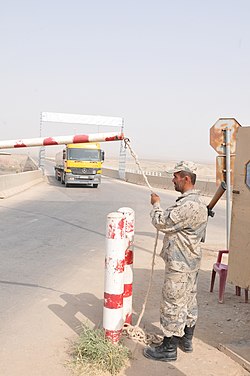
<point>169,68</point>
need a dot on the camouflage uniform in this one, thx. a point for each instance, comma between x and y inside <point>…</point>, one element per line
<point>184,225</point>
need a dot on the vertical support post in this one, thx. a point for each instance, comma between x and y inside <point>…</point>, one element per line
<point>128,269</point>
<point>114,276</point>
<point>42,148</point>
<point>228,181</point>
<point>122,157</point>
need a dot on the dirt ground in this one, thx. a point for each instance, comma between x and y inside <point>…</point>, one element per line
<point>217,324</point>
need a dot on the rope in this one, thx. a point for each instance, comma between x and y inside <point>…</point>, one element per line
<point>127,144</point>
<point>135,332</point>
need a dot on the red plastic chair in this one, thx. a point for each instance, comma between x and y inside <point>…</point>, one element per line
<point>221,269</point>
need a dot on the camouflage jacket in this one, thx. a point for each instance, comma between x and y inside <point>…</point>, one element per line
<point>184,225</point>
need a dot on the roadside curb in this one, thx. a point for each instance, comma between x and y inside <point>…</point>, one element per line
<point>207,188</point>
<point>234,355</point>
<point>16,183</point>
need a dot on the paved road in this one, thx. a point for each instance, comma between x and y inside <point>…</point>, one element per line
<point>51,271</point>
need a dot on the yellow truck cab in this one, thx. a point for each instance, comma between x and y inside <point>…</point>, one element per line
<point>80,164</point>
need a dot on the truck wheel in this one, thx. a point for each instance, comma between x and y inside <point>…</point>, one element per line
<point>95,185</point>
<point>58,177</point>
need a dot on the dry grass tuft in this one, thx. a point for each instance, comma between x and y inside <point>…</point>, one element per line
<point>93,354</point>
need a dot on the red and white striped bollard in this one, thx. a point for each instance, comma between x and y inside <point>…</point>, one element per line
<point>114,276</point>
<point>128,269</point>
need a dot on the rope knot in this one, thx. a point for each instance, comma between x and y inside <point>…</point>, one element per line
<point>126,142</point>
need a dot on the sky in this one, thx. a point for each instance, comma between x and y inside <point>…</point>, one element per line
<point>170,69</point>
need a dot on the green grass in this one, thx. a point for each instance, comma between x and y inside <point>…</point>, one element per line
<point>93,353</point>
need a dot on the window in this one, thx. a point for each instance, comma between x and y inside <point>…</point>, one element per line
<point>83,154</point>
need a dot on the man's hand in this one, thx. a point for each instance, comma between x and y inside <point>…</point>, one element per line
<point>210,212</point>
<point>154,198</point>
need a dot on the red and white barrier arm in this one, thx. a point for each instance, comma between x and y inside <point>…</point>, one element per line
<point>61,140</point>
<point>114,276</point>
<point>128,268</point>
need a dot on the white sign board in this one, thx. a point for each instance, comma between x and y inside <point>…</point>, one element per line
<point>82,119</point>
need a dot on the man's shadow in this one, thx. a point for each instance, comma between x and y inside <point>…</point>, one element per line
<point>87,304</point>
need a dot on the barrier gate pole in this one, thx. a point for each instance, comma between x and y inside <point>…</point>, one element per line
<point>114,276</point>
<point>128,269</point>
<point>61,140</point>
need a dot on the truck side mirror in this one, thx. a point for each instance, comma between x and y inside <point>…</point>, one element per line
<point>102,155</point>
<point>64,154</point>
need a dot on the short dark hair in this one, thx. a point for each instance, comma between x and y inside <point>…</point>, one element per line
<point>190,174</point>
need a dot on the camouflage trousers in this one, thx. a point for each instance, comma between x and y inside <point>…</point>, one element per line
<point>178,305</point>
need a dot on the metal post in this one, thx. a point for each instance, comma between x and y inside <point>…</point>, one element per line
<point>114,277</point>
<point>228,181</point>
<point>41,160</point>
<point>122,157</point>
<point>128,268</point>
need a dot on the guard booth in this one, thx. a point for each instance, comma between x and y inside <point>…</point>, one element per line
<point>239,255</point>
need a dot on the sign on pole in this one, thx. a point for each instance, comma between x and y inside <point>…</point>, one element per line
<point>217,138</point>
<point>218,143</point>
<point>223,140</point>
<point>221,169</point>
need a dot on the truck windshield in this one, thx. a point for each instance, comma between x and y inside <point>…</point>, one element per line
<point>83,154</point>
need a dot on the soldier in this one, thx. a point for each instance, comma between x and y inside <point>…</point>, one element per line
<point>184,226</point>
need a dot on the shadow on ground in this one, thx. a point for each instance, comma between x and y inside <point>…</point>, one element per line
<point>52,181</point>
<point>218,323</point>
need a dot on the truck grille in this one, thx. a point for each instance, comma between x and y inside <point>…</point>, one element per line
<point>82,171</point>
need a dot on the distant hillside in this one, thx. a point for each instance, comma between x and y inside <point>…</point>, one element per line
<point>16,163</point>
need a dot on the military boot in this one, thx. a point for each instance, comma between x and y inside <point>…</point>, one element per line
<point>165,352</point>
<point>185,342</point>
